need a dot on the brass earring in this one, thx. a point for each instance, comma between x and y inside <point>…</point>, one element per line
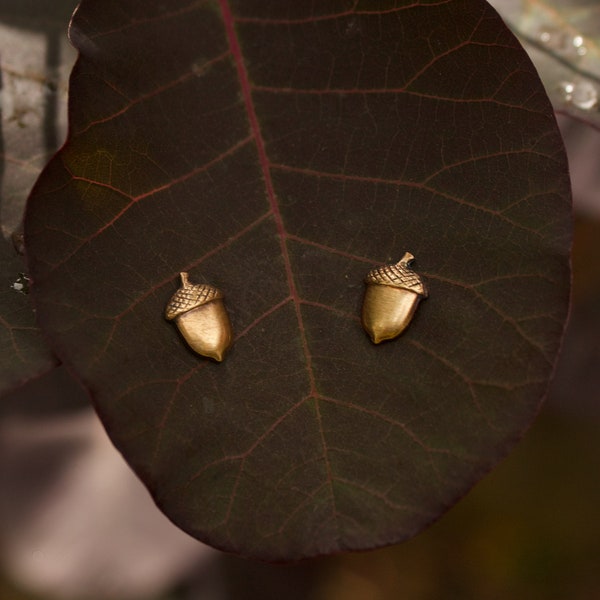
<point>201,317</point>
<point>392,296</point>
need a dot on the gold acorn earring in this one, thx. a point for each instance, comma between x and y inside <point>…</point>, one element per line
<point>201,317</point>
<point>392,296</point>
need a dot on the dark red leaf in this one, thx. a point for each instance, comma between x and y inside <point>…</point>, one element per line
<point>279,150</point>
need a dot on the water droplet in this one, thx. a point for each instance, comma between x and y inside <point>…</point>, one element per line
<point>582,94</point>
<point>555,39</point>
<point>567,87</point>
<point>585,95</point>
<point>563,43</point>
<point>579,45</point>
<point>21,284</point>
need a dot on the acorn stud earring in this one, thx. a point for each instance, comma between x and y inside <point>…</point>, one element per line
<point>201,317</point>
<point>392,296</point>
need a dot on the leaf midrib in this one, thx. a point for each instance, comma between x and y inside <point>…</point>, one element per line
<point>264,162</point>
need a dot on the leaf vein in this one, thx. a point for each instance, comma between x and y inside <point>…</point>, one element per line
<point>409,184</point>
<point>135,199</point>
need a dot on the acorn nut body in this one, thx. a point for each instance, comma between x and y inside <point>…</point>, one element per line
<point>392,296</point>
<point>201,317</point>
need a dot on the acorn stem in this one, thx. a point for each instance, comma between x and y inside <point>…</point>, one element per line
<point>184,279</point>
<point>406,259</point>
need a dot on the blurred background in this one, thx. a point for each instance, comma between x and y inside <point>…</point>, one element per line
<point>76,524</point>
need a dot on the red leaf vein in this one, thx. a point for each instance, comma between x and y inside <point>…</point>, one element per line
<point>338,15</point>
<point>270,191</point>
<point>149,193</point>
<point>409,184</point>
<point>156,92</point>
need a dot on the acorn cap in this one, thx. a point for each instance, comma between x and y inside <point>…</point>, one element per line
<point>399,276</point>
<point>190,296</point>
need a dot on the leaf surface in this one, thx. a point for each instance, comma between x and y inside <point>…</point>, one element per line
<point>280,150</point>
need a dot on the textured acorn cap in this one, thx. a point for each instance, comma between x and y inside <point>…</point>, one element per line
<point>399,276</point>
<point>190,296</point>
